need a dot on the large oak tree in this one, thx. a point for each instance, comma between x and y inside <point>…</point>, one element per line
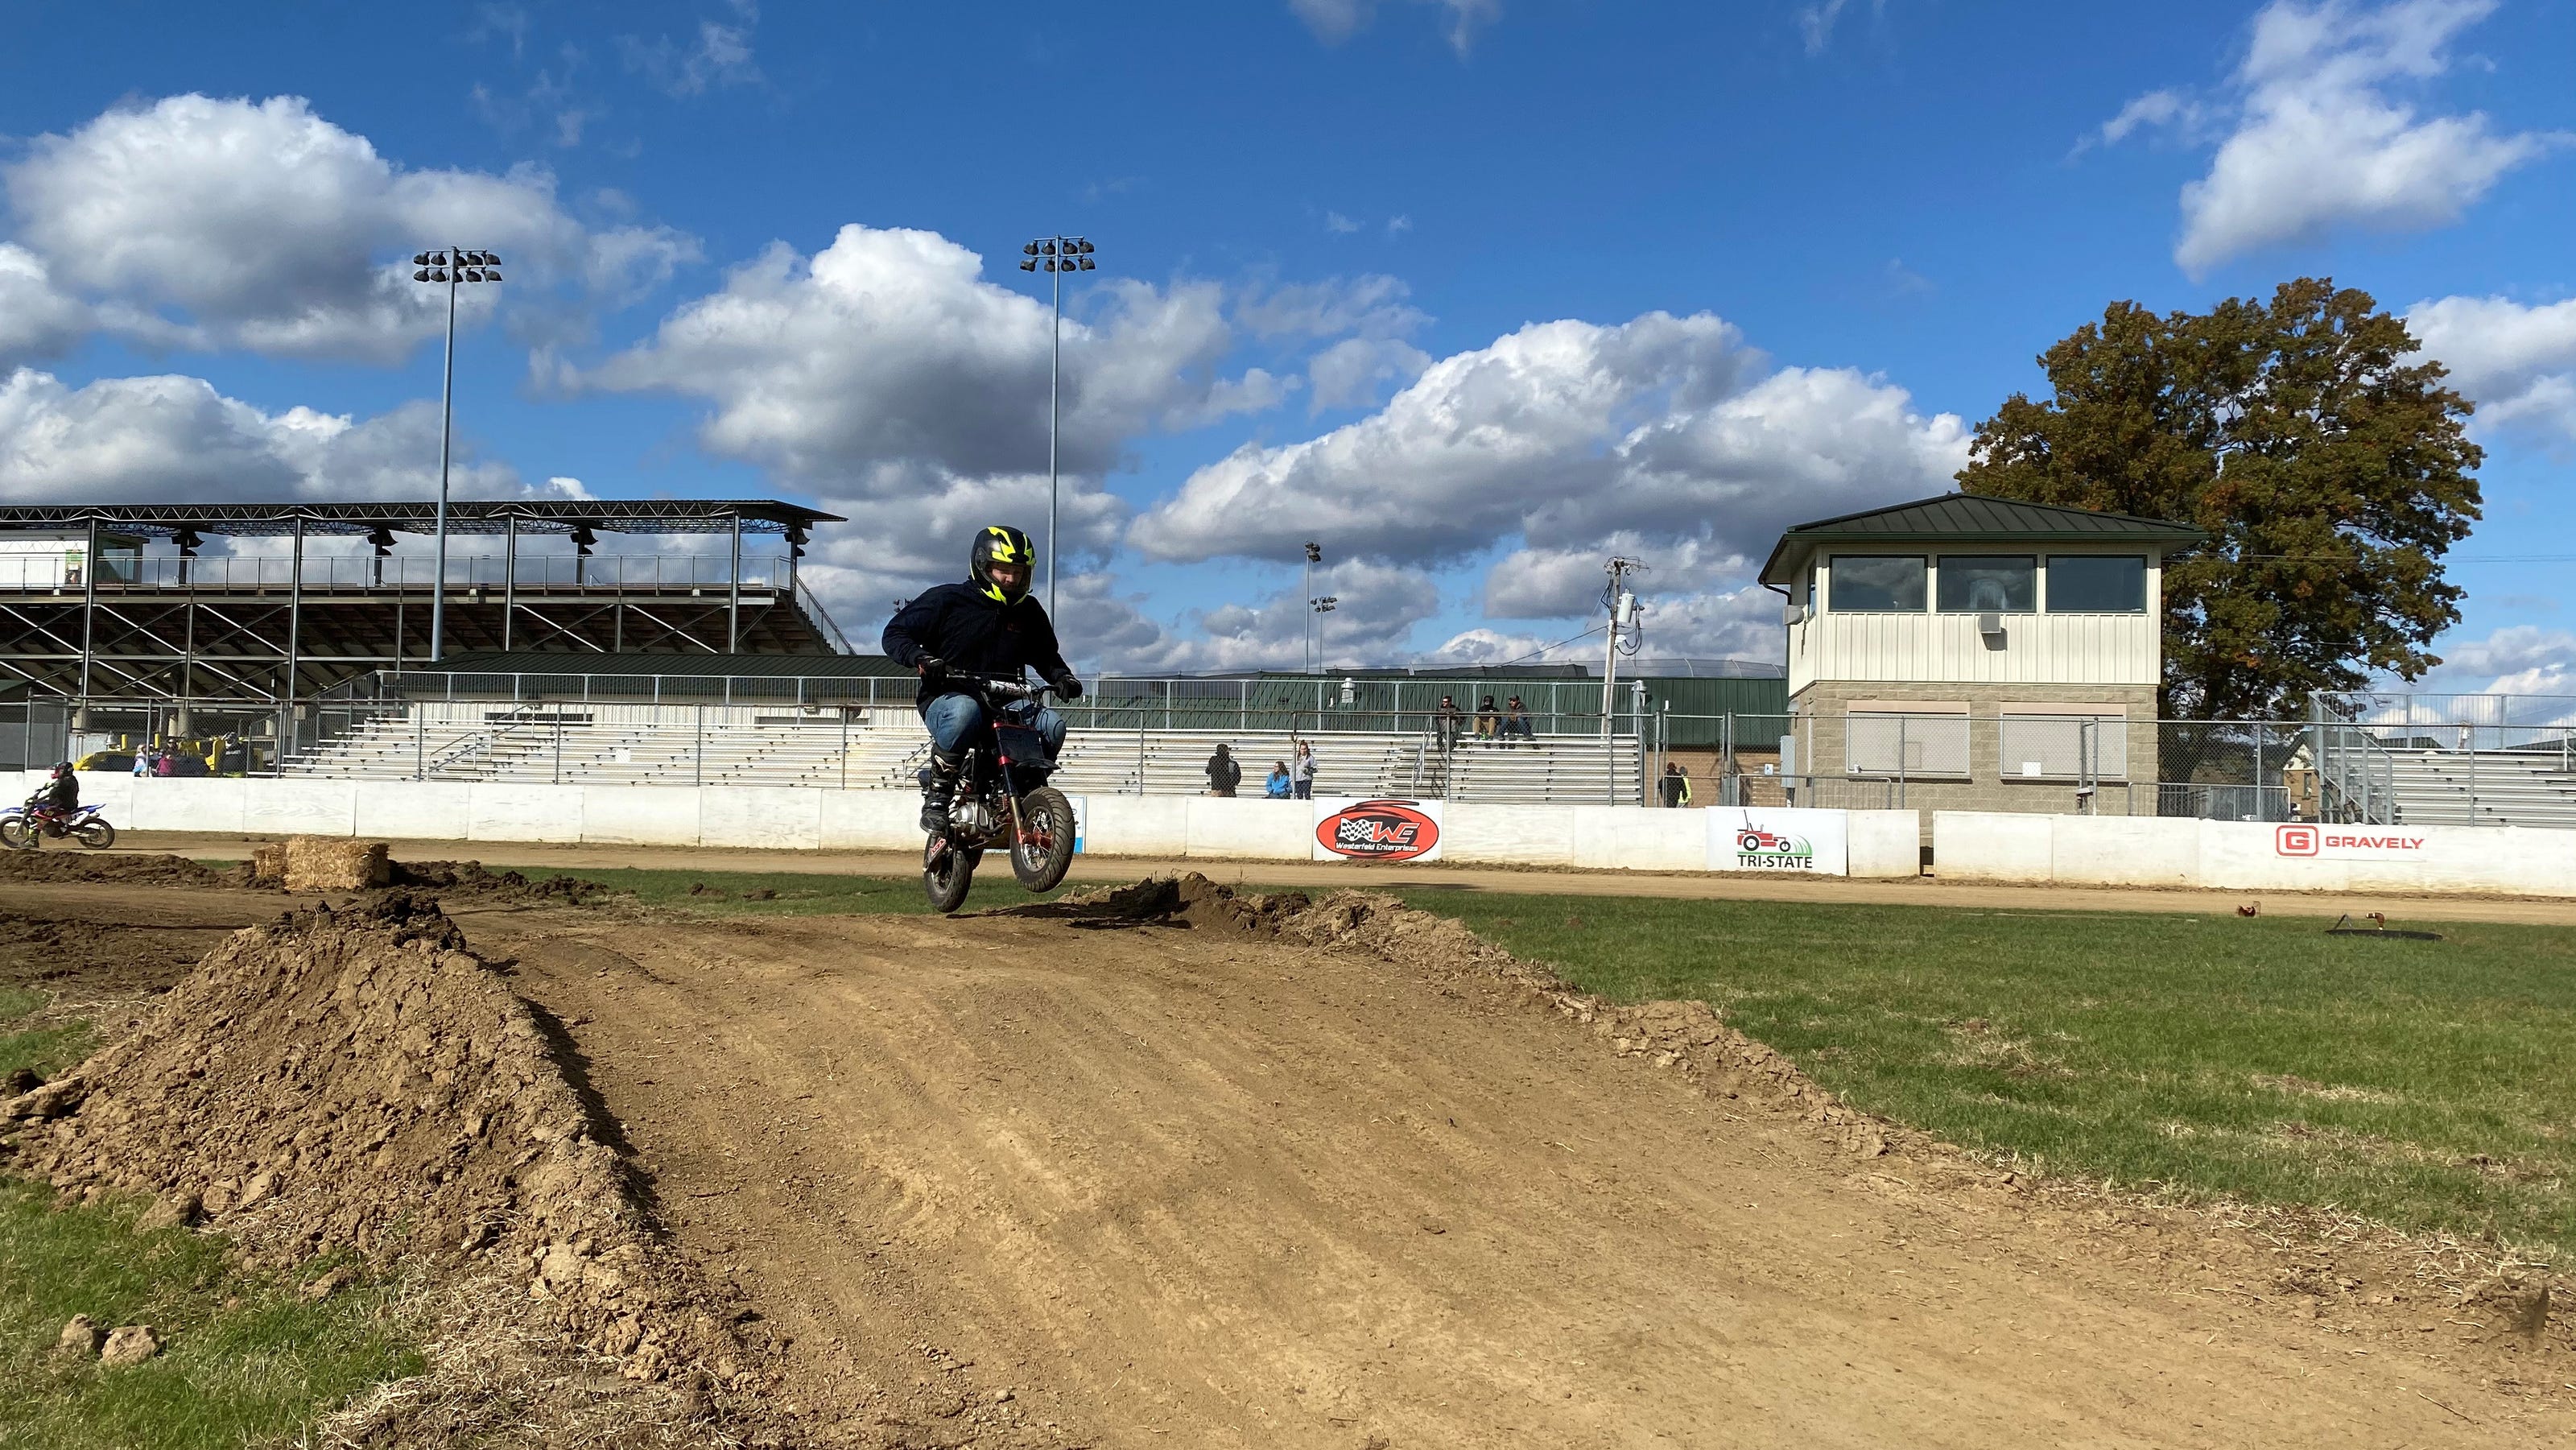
<point>2321,452</point>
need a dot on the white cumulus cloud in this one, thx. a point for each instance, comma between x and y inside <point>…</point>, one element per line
<point>886,375</point>
<point>2324,135</point>
<point>1564,434</point>
<point>2517,363</point>
<point>2518,659</point>
<point>170,438</point>
<point>36,320</point>
<point>202,222</point>
<point>1378,607</point>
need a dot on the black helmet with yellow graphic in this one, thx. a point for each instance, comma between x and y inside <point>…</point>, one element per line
<point>1002,563</point>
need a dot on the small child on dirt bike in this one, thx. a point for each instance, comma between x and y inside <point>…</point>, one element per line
<point>57,798</point>
<point>988,626</point>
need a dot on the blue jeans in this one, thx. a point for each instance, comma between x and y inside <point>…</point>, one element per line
<point>956,720</point>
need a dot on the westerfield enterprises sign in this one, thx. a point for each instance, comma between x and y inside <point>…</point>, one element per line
<point>1349,828</point>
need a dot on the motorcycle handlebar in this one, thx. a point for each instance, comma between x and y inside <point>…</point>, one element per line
<point>1007,689</point>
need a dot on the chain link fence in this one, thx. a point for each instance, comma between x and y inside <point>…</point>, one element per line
<point>2021,760</point>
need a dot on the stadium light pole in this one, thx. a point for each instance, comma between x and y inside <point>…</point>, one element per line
<point>1056,256</point>
<point>1306,591</point>
<point>451,268</point>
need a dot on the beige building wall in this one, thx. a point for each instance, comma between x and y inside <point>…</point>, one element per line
<point>2104,649</point>
<point>1990,783</point>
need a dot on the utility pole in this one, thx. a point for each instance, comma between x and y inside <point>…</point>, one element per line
<point>1622,604</point>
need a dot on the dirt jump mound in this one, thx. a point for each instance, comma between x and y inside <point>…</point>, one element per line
<point>1685,1037</point>
<point>358,1081</point>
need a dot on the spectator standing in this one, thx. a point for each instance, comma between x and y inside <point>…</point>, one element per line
<point>1674,786</point>
<point>1450,721</point>
<point>1302,774</point>
<point>1489,721</point>
<point>1274,786</point>
<point>1222,772</point>
<point>1516,721</point>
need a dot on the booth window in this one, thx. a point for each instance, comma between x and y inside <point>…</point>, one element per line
<point>2097,584</point>
<point>1877,584</point>
<point>2059,742</point>
<point>1909,738</point>
<point>1989,583</point>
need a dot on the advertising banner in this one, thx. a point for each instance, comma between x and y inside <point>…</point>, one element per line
<point>1081,816</point>
<point>1757,839</point>
<point>2349,843</point>
<point>1358,828</point>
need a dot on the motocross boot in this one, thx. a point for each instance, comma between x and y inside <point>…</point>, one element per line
<point>938,787</point>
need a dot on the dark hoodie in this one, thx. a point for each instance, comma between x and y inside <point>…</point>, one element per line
<point>974,634</point>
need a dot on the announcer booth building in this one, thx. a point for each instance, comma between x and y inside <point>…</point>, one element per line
<point>1970,653</point>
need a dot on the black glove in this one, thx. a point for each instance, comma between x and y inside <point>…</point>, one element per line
<point>930,667</point>
<point>1068,685</point>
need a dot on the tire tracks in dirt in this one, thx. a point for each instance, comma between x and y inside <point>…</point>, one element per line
<point>1166,1185</point>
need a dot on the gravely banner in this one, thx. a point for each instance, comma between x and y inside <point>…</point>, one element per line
<point>1356,828</point>
<point>1755,839</point>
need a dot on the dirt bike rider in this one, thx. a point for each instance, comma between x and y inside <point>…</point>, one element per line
<point>988,626</point>
<point>57,798</point>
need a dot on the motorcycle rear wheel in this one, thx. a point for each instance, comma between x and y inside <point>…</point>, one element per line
<point>947,873</point>
<point>17,836</point>
<point>97,835</point>
<point>1043,850</point>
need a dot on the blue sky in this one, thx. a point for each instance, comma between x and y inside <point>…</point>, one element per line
<point>1471,291</point>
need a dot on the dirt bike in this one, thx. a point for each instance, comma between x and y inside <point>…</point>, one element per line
<point>1002,796</point>
<point>23,830</point>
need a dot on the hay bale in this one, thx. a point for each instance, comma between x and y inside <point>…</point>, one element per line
<point>268,864</point>
<point>327,863</point>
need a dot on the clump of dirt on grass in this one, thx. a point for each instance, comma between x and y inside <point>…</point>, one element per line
<point>1689,1038</point>
<point>357,1081</point>
<point>54,866</point>
<point>471,879</point>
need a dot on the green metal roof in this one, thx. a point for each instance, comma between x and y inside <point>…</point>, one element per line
<point>1972,518</point>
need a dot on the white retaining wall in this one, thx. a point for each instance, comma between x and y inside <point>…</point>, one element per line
<point>2252,855</point>
<point>1882,843</point>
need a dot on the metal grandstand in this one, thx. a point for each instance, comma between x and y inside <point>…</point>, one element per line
<point>112,609</point>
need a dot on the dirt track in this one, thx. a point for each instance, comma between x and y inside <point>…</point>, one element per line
<point>1177,1187</point>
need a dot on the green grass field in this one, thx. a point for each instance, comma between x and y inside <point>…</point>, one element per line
<point>47,1049</point>
<point>2424,1084</point>
<point>247,1360</point>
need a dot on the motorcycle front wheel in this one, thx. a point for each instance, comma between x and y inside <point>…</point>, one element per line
<point>947,873</point>
<point>17,835</point>
<point>97,835</point>
<point>1042,849</point>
